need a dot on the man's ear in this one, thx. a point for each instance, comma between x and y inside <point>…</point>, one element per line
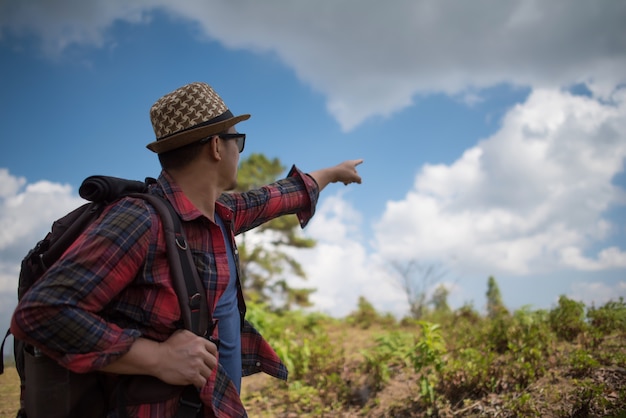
<point>213,147</point>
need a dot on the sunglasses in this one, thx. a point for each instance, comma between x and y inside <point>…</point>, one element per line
<point>240,138</point>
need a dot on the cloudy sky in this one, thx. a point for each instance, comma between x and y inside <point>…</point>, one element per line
<point>493,133</point>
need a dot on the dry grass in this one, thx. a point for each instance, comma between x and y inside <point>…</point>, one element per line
<point>9,392</point>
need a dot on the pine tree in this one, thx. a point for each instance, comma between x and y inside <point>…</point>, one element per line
<point>265,266</point>
<point>495,306</point>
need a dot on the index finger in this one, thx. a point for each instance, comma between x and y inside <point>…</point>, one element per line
<point>357,162</point>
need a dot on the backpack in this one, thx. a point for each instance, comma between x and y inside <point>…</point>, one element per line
<point>50,390</point>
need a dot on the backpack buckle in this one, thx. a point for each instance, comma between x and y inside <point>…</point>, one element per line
<point>190,403</point>
<point>194,302</point>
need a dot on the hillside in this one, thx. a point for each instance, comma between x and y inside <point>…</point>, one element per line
<point>566,362</point>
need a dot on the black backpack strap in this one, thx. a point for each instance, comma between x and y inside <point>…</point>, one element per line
<point>191,294</point>
<point>189,288</point>
<point>2,351</point>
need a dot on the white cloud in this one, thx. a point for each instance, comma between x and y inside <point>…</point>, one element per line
<point>529,199</point>
<point>532,200</point>
<point>64,23</point>
<point>597,293</point>
<point>411,48</point>
<point>611,257</point>
<point>9,185</point>
<point>26,214</point>
<point>340,268</point>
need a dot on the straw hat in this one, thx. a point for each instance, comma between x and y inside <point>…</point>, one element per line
<point>187,115</point>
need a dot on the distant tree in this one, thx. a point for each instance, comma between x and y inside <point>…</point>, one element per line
<point>365,314</point>
<point>439,300</point>
<point>416,279</point>
<point>495,306</point>
<point>256,171</point>
<point>266,266</point>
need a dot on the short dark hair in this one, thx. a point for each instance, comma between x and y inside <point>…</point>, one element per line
<point>180,157</point>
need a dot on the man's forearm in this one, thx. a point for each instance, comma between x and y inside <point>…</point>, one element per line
<point>142,358</point>
<point>183,359</point>
<point>323,177</point>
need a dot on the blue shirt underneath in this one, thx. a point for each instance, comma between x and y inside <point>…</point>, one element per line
<point>227,313</point>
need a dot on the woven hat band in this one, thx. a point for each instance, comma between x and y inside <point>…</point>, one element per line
<point>224,116</point>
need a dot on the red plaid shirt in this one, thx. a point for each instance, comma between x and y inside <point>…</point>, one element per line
<point>113,285</point>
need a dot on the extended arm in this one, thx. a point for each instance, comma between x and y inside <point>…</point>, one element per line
<point>297,193</point>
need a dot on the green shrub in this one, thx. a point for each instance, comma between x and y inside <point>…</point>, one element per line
<point>463,364</point>
<point>465,329</point>
<point>609,318</point>
<point>526,343</point>
<point>365,315</point>
<point>498,333</point>
<point>468,375</point>
<point>427,359</point>
<point>582,363</point>
<point>389,355</point>
<point>567,320</point>
<point>314,362</point>
<point>588,397</point>
<point>396,350</point>
<point>467,313</point>
<point>522,406</point>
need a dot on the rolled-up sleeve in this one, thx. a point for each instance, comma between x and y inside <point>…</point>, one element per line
<point>296,194</point>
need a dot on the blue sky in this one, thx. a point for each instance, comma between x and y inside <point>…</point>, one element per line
<point>494,135</point>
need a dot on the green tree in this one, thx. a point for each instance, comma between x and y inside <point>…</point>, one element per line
<point>495,306</point>
<point>439,299</point>
<point>266,266</point>
<point>568,318</point>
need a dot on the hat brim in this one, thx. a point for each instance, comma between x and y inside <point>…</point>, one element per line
<point>193,135</point>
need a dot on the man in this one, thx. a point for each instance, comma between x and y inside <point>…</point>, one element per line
<point>108,304</point>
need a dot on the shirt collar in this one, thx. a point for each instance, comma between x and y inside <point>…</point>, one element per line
<point>182,204</point>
